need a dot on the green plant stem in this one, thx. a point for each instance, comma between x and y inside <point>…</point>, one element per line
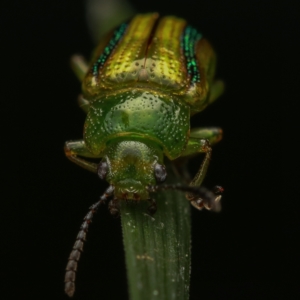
<point>157,248</point>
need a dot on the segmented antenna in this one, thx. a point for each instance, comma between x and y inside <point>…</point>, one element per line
<point>74,257</point>
<point>198,195</point>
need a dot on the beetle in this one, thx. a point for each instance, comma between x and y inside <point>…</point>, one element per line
<point>145,80</point>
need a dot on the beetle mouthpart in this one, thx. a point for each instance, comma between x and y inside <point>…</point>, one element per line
<point>131,189</point>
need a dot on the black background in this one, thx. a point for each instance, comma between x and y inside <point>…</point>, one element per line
<point>245,252</point>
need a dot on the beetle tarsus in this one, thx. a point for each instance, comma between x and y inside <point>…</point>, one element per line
<point>199,196</point>
<point>209,199</point>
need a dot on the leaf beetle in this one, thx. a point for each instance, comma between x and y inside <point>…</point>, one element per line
<point>146,79</point>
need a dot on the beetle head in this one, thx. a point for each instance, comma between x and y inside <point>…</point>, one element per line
<point>130,166</point>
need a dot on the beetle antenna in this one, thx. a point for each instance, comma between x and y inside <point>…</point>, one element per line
<point>74,257</point>
<point>199,196</point>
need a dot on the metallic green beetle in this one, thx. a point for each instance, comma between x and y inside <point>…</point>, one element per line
<point>146,79</point>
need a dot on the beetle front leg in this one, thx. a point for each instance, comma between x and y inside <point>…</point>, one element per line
<point>197,139</point>
<point>211,200</point>
<point>196,144</point>
<point>73,149</point>
<point>199,146</point>
<point>200,142</point>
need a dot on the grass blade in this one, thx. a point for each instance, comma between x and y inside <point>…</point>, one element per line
<point>157,248</point>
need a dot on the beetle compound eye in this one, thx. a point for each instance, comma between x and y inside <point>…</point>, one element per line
<point>160,172</point>
<point>102,169</point>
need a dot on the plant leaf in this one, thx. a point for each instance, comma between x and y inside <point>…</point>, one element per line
<point>157,248</point>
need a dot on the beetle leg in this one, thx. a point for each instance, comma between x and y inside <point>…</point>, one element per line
<point>212,134</point>
<point>210,199</point>
<point>79,66</point>
<point>197,144</point>
<point>203,147</point>
<point>200,141</point>
<point>198,138</point>
<point>216,90</point>
<point>75,148</point>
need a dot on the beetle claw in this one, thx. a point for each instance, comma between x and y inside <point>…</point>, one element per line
<point>210,203</point>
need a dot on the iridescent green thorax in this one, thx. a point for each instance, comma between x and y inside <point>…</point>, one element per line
<point>138,113</point>
<point>190,38</point>
<point>117,35</point>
